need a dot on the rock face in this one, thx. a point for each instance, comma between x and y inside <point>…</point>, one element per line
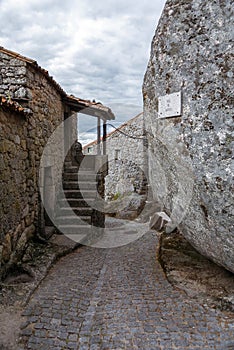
<point>190,166</point>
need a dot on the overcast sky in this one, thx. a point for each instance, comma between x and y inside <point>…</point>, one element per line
<point>94,49</point>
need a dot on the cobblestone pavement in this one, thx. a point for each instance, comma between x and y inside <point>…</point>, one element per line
<point>119,298</point>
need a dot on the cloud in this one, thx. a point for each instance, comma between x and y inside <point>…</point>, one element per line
<point>95,50</point>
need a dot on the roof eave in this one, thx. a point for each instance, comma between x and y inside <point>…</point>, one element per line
<point>89,108</point>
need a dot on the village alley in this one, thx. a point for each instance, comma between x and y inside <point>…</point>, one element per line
<point>119,298</point>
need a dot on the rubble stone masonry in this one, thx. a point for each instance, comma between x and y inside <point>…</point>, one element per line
<point>126,159</point>
<point>23,137</point>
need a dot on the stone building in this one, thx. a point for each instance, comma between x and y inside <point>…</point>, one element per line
<point>126,156</point>
<point>188,112</point>
<point>32,107</point>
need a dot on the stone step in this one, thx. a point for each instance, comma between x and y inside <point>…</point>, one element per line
<point>75,185</point>
<point>75,169</point>
<point>73,220</point>
<point>67,176</point>
<point>75,202</point>
<point>70,169</point>
<point>77,194</point>
<point>81,230</point>
<point>79,211</point>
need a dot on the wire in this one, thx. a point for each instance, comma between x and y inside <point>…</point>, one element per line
<point>121,132</point>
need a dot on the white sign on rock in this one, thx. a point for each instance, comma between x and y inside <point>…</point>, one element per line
<point>169,105</point>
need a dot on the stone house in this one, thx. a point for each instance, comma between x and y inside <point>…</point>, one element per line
<point>188,113</point>
<point>32,107</point>
<point>126,155</point>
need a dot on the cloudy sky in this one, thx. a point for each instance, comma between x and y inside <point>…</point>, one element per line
<point>94,49</point>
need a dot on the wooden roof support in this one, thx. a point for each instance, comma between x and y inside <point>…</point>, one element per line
<point>104,138</point>
<point>98,136</point>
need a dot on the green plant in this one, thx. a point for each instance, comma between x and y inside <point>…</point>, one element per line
<point>116,196</point>
<point>9,97</point>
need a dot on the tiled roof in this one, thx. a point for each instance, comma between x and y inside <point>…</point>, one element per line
<point>13,106</point>
<point>77,104</point>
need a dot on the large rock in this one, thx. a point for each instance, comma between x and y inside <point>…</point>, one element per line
<point>190,155</point>
<point>127,207</point>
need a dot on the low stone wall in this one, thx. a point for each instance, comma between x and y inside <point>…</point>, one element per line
<point>190,156</point>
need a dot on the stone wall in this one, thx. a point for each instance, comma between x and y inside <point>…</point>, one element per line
<point>13,80</point>
<point>23,139</point>
<point>16,208</point>
<point>190,157</point>
<point>48,114</point>
<point>126,157</point>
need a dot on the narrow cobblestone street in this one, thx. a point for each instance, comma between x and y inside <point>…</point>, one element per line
<point>119,299</point>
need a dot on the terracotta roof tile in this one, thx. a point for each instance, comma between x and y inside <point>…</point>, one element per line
<point>13,106</point>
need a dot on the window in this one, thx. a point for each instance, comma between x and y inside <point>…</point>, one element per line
<point>117,154</point>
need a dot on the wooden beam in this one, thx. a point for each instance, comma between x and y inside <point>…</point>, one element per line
<point>98,136</point>
<point>104,137</point>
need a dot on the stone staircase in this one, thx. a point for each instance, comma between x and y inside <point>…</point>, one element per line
<point>75,215</point>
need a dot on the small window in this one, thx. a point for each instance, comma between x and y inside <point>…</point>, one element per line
<point>117,154</point>
<point>90,149</point>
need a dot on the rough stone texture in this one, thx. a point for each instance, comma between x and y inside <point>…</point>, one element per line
<point>198,276</point>
<point>22,141</point>
<point>119,299</point>
<point>128,206</point>
<point>13,78</point>
<point>126,156</point>
<point>15,293</point>
<point>190,164</point>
